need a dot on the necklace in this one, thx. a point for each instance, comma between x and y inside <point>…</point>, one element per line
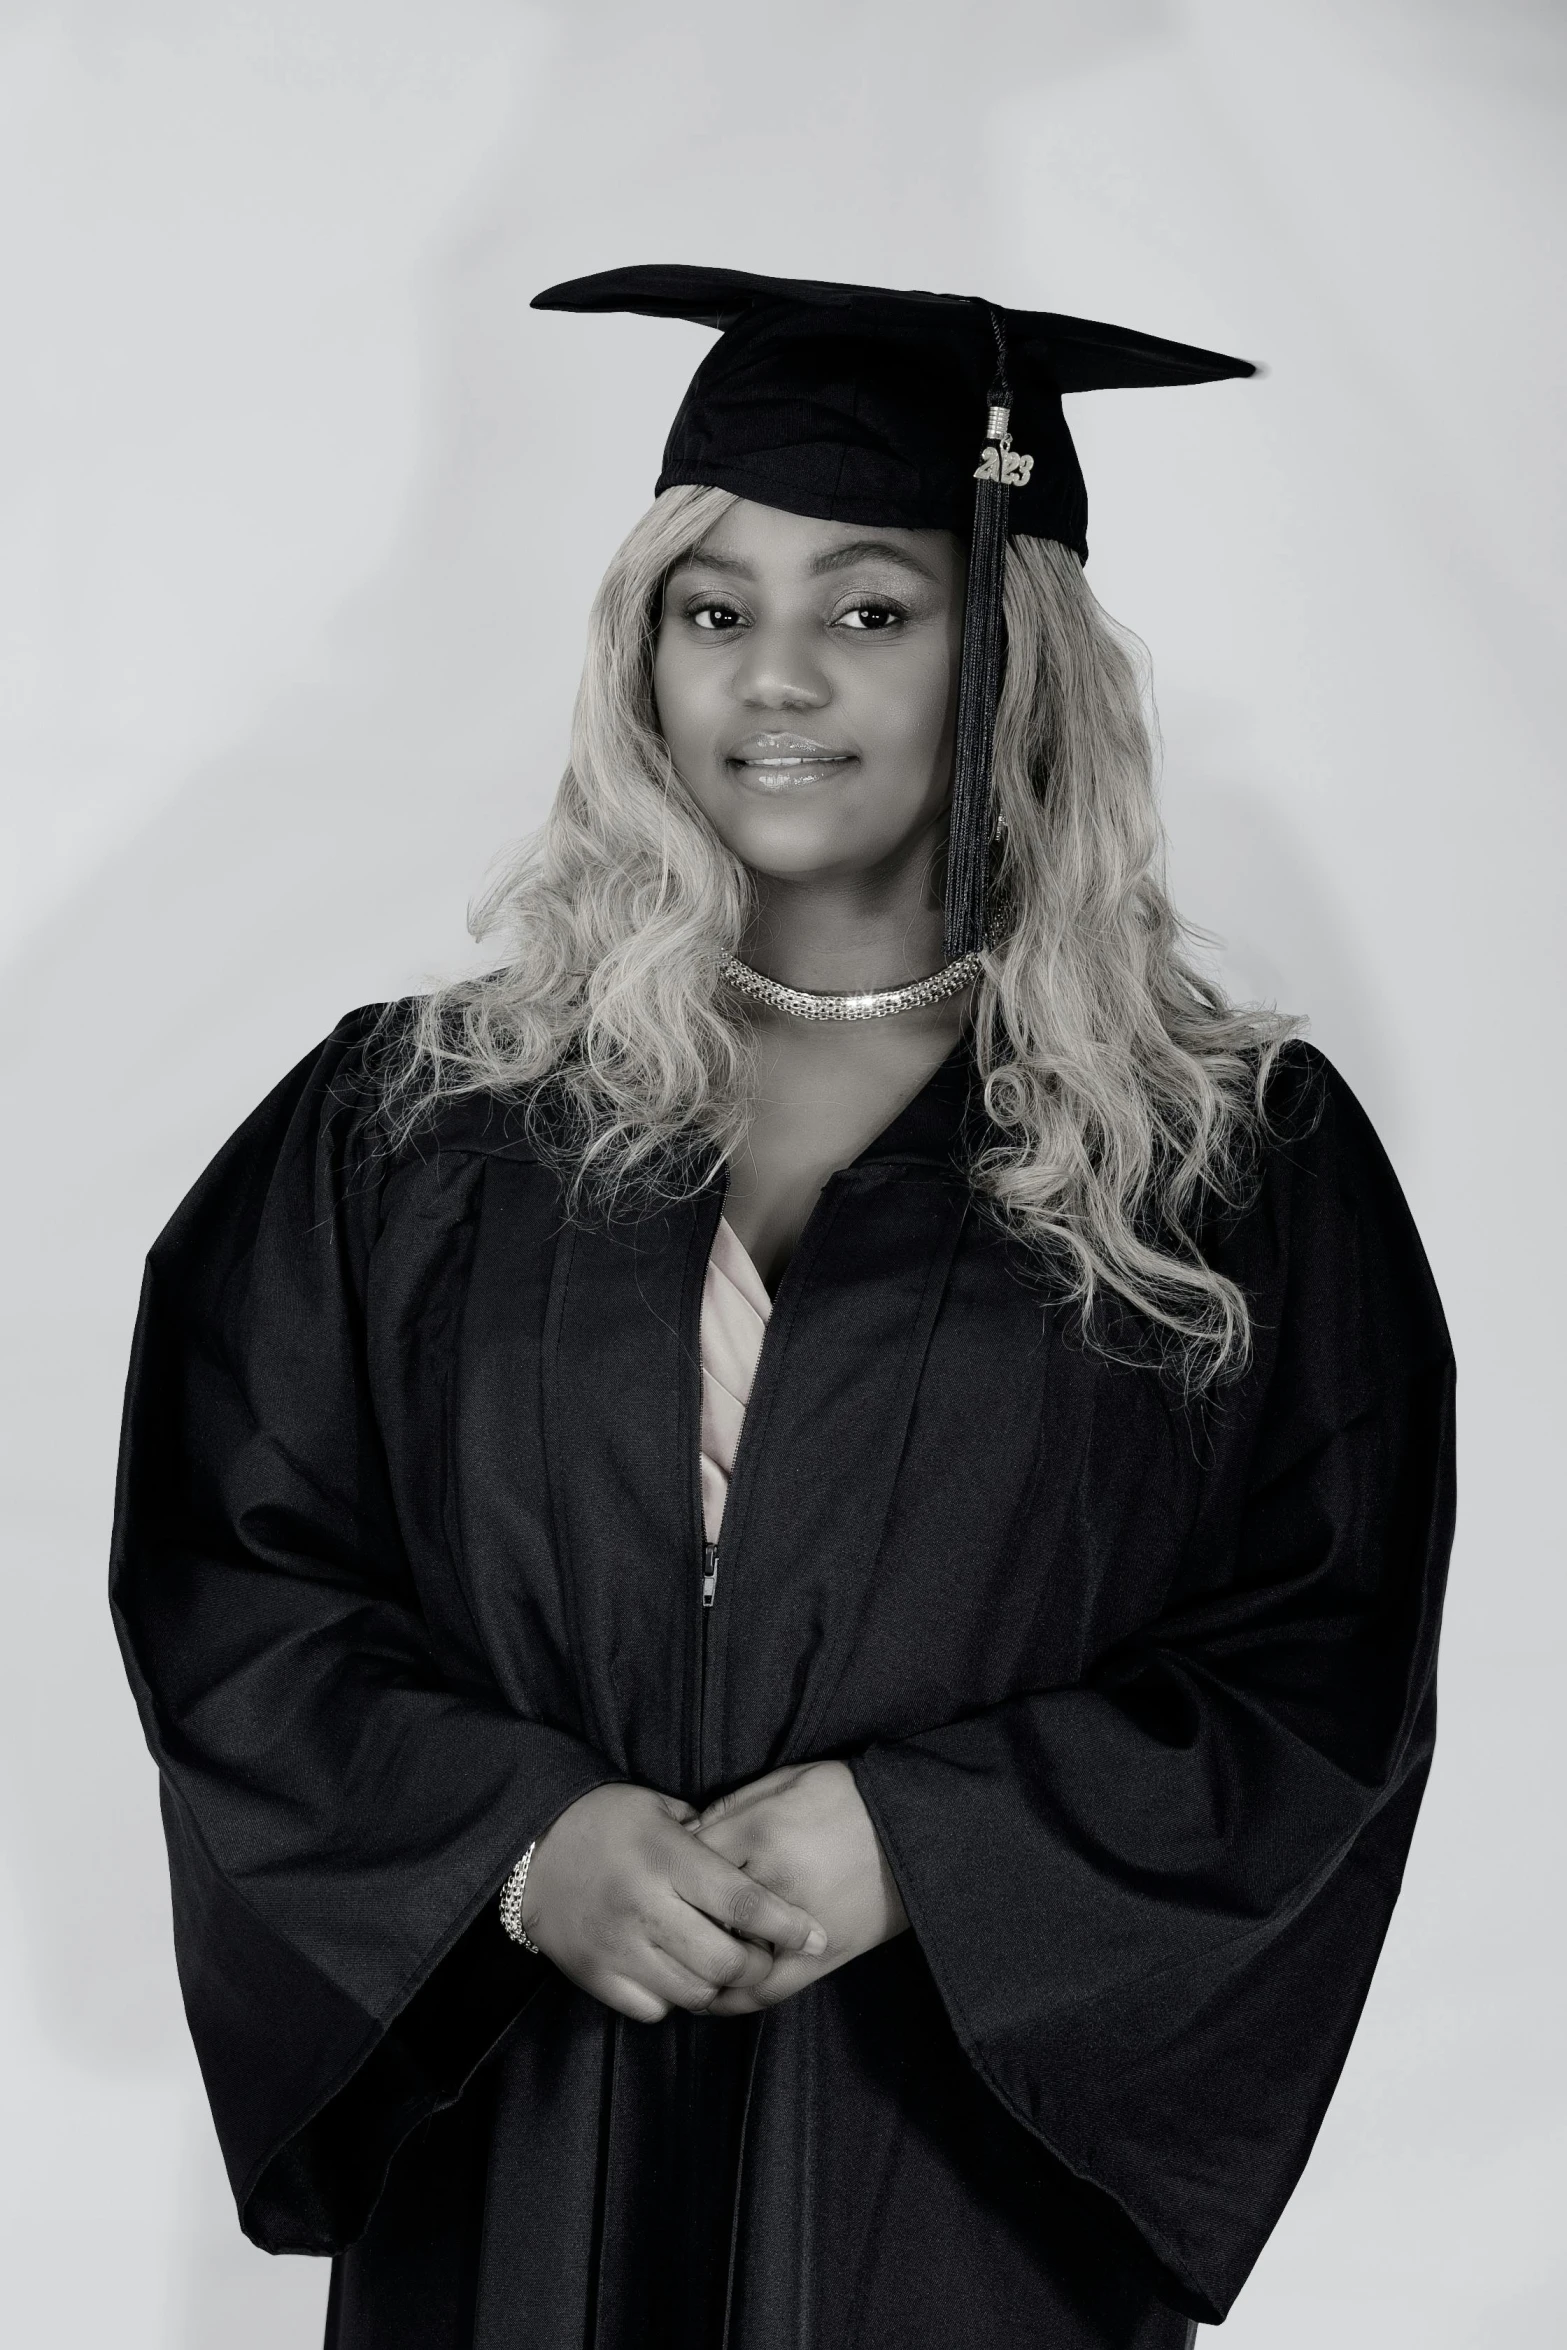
<point>877,1003</point>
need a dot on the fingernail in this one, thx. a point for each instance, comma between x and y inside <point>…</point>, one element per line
<point>815,1942</point>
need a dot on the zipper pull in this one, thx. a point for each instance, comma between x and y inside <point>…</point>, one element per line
<point>709,1573</point>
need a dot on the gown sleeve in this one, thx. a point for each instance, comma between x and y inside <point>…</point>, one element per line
<point>340,1812</point>
<point>1152,1902</point>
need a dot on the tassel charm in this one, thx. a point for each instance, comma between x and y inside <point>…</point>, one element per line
<point>1000,461</point>
<point>999,470</point>
<point>1004,465</point>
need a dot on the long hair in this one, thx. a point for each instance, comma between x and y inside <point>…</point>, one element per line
<point>1124,1094</point>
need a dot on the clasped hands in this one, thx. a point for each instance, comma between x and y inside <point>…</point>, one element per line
<point>649,1904</point>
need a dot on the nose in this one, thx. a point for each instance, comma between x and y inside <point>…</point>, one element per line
<point>778,670</point>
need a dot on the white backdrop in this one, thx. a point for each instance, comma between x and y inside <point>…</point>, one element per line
<point>301,514</point>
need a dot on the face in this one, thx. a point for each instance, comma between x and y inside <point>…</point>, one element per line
<point>806,677</point>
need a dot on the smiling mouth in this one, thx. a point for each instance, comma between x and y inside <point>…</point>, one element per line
<point>774,762</point>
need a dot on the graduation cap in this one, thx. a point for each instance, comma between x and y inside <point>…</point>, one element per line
<point>896,410</point>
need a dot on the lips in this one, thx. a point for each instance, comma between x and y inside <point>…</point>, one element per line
<point>774,762</point>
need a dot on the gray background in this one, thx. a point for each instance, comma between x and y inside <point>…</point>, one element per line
<point>301,515</point>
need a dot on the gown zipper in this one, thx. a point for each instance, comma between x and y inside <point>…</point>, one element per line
<point>709,1596</point>
<point>710,1549</point>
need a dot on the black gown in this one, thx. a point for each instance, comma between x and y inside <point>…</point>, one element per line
<point>1139,1697</point>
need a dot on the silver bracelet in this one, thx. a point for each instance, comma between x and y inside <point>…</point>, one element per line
<point>511,1903</point>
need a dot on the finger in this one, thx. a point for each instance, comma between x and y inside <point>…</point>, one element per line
<point>733,1838</point>
<point>720,1959</point>
<point>734,1900</point>
<point>678,1809</point>
<point>724,1807</point>
<point>736,2003</point>
<point>750,1840</point>
<point>783,1979</point>
<point>676,1985</point>
<point>629,1999</point>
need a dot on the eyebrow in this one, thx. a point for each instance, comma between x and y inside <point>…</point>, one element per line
<point>861,550</point>
<point>835,559</point>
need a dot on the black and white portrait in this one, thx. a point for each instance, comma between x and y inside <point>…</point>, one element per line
<point>783,816</point>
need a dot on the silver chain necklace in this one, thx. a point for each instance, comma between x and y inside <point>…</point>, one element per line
<point>877,1003</point>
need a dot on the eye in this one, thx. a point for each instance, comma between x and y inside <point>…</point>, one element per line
<point>872,616</point>
<point>714,615</point>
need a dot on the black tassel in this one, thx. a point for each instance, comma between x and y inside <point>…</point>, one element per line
<point>979,684</point>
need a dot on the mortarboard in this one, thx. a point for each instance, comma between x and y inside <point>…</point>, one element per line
<point>866,405</point>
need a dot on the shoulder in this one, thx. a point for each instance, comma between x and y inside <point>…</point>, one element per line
<point>329,1171</point>
<point>317,1132</point>
<point>334,1093</point>
<point>355,1099</point>
<point>1328,1233</point>
<point>1318,1142</point>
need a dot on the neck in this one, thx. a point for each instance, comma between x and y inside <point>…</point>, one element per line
<point>839,937</point>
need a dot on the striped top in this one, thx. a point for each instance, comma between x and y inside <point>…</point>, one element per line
<point>735,1308</point>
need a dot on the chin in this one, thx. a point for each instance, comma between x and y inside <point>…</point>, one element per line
<point>785,850</point>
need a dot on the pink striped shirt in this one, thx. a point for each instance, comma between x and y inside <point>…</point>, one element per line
<point>735,1308</point>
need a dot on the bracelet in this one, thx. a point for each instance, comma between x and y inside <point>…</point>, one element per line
<point>511,1903</point>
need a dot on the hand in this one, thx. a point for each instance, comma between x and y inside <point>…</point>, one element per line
<point>805,1834</point>
<point>634,1908</point>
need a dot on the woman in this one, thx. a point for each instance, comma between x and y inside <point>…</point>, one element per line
<point>908,1875</point>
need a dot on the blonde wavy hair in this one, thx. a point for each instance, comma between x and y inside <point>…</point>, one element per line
<point>1124,1093</point>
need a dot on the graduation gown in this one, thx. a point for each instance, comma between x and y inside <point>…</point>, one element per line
<point>1139,1697</point>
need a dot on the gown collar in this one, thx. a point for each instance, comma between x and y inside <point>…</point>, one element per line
<point>929,1131</point>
